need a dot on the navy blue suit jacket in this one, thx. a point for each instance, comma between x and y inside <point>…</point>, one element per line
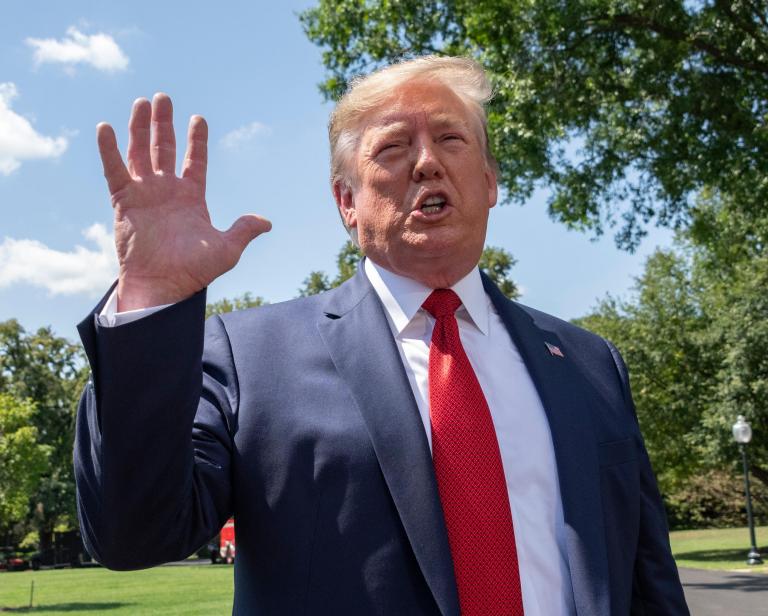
<point>298,418</point>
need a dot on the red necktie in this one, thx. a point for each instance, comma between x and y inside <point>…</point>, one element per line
<point>470,475</point>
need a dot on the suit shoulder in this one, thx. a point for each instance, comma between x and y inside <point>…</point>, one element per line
<point>584,343</point>
<point>302,310</point>
<point>561,326</point>
<point>290,309</point>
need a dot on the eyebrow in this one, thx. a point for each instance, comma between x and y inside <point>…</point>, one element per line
<point>448,121</point>
<point>386,127</point>
<point>395,123</point>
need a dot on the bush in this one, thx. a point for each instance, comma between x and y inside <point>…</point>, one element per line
<point>715,500</point>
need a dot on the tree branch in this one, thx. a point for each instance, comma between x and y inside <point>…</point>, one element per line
<point>623,21</point>
<point>757,13</point>
<point>745,25</point>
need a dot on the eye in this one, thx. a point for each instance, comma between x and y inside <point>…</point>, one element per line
<point>389,146</point>
<point>452,137</point>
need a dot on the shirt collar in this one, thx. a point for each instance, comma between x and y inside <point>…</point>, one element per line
<point>402,297</point>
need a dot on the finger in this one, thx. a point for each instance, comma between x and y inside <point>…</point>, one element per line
<point>245,229</point>
<point>196,158</point>
<point>114,168</point>
<point>163,138</point>
<point>139,162</point>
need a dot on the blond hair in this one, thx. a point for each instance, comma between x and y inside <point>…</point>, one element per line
<point>465,77</point>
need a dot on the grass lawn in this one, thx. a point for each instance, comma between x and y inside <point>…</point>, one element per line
<point>207,589</point>
<point>721,548</point>
<point>188,590</point>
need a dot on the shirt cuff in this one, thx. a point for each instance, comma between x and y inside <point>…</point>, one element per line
<point>109,317</point>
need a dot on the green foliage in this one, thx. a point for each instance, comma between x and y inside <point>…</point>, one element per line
<point>662,333</point>
<point>740,328</point>
<point>715,499</point>
<point>497,263</point>
<point>694,336</point>
<point>624,108</point>
<point>246,300</point>
<point>315,283</point>
<point>346,266</point>
<point>50,371</point>
<point>730,252</point>
<point>22,459</point>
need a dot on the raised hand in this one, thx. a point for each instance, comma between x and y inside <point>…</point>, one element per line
<point>166,246</point>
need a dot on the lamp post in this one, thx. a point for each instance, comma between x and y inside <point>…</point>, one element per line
<point>742,434</point>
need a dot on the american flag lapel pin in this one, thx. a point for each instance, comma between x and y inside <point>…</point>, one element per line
<point>554,350</point>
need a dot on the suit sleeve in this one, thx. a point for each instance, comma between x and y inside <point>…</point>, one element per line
<point>153,445</point>
<point>656,588</point>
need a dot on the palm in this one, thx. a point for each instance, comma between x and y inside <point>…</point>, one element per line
<point>166,245</point>
<point>162,226</point>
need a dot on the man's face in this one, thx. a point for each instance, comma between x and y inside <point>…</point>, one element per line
<point>422,188</point>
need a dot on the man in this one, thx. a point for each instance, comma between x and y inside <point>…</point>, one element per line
<point>409,443</point>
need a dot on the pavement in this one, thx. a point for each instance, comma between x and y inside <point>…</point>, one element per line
<point>724,593</point>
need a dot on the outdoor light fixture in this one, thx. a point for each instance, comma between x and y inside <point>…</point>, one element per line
<point>742,434</point>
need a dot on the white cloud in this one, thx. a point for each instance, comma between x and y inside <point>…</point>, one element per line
<point>18,138</point>
<point>99,50</point>
<point>244,134</point>
<point>82,270</point>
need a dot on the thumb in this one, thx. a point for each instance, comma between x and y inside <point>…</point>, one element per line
<point>245,229</point>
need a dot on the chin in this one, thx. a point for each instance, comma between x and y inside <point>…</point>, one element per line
<point>436,242</point>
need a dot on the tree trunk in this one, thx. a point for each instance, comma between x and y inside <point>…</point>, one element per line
<point>759,473</point>
<point>46,543</point>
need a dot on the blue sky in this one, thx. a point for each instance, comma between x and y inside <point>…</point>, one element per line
<point>248,68</point>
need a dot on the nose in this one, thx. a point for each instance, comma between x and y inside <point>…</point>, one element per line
<point>427,165</point>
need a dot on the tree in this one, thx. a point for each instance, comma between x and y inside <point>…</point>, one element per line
<point>694,335</point>
<point>346,266</point>
<point>663,334</point>
<point>246,300</point>
<point>23,460</point>
<point>624,108</point>
<point>730,251</point>
<point>740,328</point>
<point>50,371</point>
<point>495,262</point>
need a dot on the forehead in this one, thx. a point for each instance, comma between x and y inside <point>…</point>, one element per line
<point>423,102</point>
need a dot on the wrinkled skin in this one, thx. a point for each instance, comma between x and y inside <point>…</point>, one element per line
<point>422,142</point>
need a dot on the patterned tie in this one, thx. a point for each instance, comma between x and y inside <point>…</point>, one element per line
<point>470,476</point>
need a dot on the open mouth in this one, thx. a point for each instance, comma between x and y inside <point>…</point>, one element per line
<point>433,204</point>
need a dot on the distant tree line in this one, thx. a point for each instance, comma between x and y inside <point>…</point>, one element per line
<point>41,377</point>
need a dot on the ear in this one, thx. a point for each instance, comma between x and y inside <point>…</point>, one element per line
<point>345,201</point>
<point>493,187</point>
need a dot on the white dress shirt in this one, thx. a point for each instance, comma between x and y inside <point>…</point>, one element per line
<point>522,429</point>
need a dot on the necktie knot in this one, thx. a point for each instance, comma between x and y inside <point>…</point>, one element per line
<point>441,303</point>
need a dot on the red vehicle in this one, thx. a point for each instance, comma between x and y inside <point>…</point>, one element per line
<point>224,552</point>
<point>11,560</point>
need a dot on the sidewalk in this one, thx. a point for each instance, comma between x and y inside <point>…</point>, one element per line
<point>721,593</point>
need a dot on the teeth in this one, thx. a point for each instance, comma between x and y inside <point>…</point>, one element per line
<point>433,204</point>
<point>434,200</point>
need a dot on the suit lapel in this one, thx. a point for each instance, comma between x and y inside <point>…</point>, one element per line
<point>566,396</point>
<point>359,340</point>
